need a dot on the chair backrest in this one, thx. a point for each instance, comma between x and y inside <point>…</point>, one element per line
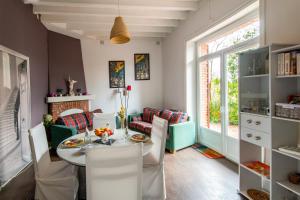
<point>101,119</point>
<point>158,136</point>
<point>39,148</point>
<point>114,172</point>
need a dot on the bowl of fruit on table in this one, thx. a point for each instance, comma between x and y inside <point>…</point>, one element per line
<point>100,131</point>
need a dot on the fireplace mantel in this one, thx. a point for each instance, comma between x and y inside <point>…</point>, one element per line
<point>70,98</point>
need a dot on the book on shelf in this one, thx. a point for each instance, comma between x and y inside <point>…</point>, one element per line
<point>258,167</point>
<point>293,63</point>
<point>280,67</point>
<point>287,63</point>
<point>298,63</point>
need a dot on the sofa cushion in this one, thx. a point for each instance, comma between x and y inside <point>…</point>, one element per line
<point>68,121</point>
<point>148,114</point>
<point>80,119</point>
<point>89,118</point>
<point>137,118</point>
<point>176,117</point>
<point>184,118</point>
<point>166,114</point>
<point>141,126</point>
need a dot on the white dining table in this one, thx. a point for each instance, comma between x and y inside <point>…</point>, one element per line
<point>76,156</point>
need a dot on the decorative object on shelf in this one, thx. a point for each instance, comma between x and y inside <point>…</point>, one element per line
<point>59,92</point>
<point>286,110</point>
<point>123,114</point>
<point>294,178</point>
<point>257,106</point>
<point>116,74</point>
<point>78,92</point>
<point>142,66</point>
<point>71,86</point>
<point>258,195</point>
<point>119,33</point>
<point>259,167</point>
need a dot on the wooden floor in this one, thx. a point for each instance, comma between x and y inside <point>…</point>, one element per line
<point>191,176</point>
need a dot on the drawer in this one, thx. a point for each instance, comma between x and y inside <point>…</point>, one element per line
<point>255,137</point>
<point>256,122</point>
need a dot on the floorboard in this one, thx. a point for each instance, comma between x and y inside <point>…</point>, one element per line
<point>192,176</point>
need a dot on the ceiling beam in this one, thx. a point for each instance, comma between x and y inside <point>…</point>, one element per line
<point>105,35</point>
<point>113,12</point>
<point>107,28</point>
<point>125,4</point>
<point>108,20</point>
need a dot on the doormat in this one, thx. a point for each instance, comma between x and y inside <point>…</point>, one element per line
<point>207,152</point>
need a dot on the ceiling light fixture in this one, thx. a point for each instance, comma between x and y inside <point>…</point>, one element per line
<point>119,33</point>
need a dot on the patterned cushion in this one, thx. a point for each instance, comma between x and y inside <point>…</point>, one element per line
<point>137,118</point>
<point>184,118</point>
<point>89,118</point>
<point>80,120</point>
<point>69,121</point>
<point>141,126</point>
<point>176,117</point>
<point>148,114</point>
<point>166,114</point>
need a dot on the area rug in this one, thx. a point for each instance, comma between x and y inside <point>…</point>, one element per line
<point>207,152</point>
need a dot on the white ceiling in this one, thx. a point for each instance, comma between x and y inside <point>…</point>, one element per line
<point>94,18</point>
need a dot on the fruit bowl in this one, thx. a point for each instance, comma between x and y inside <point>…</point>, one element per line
<point>100,131</point>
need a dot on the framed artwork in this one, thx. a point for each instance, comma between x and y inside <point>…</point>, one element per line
<point>142,66</point>
<point>116,74</point>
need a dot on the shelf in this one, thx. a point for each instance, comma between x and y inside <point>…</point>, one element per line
<point>290,186</point>
<point>254,172</point>
<point>256,76</point>
<point>288,76</point>
<point>286,119</point>
<point>255,114</point>
<point>287,49</point>
<point>287,154</point>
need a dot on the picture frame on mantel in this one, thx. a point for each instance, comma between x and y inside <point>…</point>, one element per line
<point>116,74</point>
<point>142,66</point>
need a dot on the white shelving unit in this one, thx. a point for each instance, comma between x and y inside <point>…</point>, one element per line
<point>262,134</point>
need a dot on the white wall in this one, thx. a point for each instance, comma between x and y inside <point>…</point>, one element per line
<point>174,46</point>
<point>144,93</point>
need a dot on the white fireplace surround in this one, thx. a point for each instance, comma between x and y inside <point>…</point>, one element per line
<point>70,98</point>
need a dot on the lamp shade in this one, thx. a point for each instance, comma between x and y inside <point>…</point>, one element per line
<point>119,33</point>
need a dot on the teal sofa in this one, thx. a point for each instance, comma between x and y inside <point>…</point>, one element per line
<point>181,134</point>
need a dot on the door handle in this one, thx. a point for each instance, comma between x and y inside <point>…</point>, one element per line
<point>249,135</point>
<point>257,123</point>
<point>249,121</point>
<point>257,138</point>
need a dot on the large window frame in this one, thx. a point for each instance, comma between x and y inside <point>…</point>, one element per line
<point>251,43</point>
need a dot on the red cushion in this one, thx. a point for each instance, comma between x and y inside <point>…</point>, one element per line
<point>166,114</point>
<point>89,118</point>
<point>80,120</point>
<point>140,125</point>
<point>137,118</point>
<point>148,114</point>
<point>69,121</point>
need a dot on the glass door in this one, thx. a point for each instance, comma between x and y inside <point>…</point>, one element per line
<point>210,101</point>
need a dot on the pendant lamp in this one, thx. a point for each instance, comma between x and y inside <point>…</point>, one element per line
<point>119,33</point>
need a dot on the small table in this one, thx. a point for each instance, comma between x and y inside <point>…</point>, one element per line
<point>75,156</point>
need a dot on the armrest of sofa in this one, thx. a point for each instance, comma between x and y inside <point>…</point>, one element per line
<point>131,116</point>
<point>60,133</point>
<point>181,135</point>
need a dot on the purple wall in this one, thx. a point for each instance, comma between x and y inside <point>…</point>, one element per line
<point>21,31</point>
<point>65,58</point>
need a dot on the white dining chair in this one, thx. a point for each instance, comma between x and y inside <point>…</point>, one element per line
<point>101,119</point>
<point>114,172</point>
<point>153,168</point>
<point>54,180</point>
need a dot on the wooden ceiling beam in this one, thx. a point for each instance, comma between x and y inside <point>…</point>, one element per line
<point>124,4</point>
<point>100,12</point>
<point>96,20</point>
